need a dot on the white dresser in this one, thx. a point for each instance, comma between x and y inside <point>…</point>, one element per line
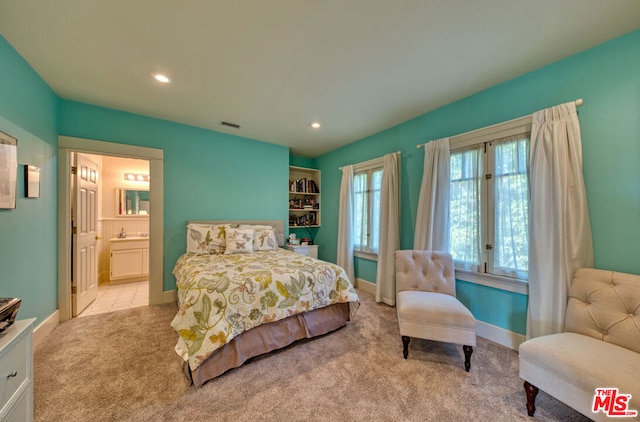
<point>309,250</point>
<point>16,372</point>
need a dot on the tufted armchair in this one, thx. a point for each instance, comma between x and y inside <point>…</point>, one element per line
<point>600,347</point>
<point>426,301</point>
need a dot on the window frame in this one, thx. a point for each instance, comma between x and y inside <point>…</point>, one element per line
<point>368,167</point>
<point>474,138</point>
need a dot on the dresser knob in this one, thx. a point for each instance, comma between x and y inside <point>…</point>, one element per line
<point>12,374</point>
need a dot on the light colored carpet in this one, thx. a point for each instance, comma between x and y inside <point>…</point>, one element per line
<point>121,367</point>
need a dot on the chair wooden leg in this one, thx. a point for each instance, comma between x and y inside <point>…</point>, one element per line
<point>405,343</point>
<point>468,350</point>
<point>532,392</point>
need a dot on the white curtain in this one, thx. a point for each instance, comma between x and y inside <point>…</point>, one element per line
<point>389,230</point>
<point>432,221</point>
<point>560,233</point>
<point>345,223</point>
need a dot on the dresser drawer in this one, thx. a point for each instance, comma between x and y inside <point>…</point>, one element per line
<point>14,367</point>
<point>23,410</point>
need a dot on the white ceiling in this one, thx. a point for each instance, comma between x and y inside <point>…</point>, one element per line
<point>274,66</point>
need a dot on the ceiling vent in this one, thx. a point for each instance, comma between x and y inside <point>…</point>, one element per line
<point>233,125</point>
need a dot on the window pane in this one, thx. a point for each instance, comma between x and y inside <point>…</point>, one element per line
<point>464,207</point>
<point>511,207</point>
<point>376,187</point>
<point>361,211</point>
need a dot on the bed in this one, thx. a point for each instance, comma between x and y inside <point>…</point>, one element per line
<point>241,295</point>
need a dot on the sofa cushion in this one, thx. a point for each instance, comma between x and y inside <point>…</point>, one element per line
<point>571,366</point>
<point>605,305</point>
<point>435,316</point>
<point>427,271</point>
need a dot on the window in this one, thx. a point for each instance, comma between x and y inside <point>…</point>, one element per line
<point>489,207</point>
<point>367,184</point>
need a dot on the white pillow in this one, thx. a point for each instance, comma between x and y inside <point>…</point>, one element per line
<point>264,240</point>
<point>239,241</point>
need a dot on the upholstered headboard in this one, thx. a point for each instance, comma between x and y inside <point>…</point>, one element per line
<point>278,225</point>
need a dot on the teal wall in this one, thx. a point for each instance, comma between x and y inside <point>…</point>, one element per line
<point>210,175</point>
<point>207,175</point>
<point>497,307</point>
<point>607,78</point>
<point>28,233</point>
<point>296,160</point>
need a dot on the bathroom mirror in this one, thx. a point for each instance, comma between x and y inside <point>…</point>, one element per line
<point>131,202</point>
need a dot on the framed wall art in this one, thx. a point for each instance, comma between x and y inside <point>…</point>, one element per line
<point>8,170</point>
<point>32,181</point>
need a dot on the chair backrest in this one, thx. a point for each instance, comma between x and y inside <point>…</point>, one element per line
<point>427,271</point>
<point>605,305</point>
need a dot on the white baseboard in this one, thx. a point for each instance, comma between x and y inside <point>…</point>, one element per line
<point>45,328</point>
<point>170,296</point>
<point>499,335</point>
<point>366,286</point>
<point>485,330</point>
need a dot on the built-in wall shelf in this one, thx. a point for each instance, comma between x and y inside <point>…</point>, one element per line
<point>304,197</point>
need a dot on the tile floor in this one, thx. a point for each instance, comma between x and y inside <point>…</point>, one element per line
<point>117,297</point>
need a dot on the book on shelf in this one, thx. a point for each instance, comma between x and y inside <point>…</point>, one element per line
<point>302,220</point>
<point>312,187</point>
<point>308,203</point>
<point>303,185</point>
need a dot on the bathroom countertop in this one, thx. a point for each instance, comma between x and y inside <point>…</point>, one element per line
<point>128,238</point>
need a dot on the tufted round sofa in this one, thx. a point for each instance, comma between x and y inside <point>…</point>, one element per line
<point>600,347</point>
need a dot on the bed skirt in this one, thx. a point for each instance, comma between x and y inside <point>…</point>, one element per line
<point>266,338</point>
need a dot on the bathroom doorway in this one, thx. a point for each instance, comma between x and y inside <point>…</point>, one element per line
<point>123,235</point>
<point>153,229</point>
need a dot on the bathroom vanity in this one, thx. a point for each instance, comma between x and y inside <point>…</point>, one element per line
<point>129,259</point>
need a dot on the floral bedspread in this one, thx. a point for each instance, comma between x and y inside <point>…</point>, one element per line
<point>220,296</point>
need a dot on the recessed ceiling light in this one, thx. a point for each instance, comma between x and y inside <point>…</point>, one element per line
<point>315,125</point>
<point>161,78</point>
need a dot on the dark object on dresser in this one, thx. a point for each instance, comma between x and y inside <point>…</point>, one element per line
<point>8,311</point>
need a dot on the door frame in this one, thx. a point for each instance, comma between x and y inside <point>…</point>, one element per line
<point>66,145</point>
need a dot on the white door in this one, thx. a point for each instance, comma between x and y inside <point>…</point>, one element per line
<point>85,252</point>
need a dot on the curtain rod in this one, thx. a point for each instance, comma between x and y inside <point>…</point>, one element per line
<point>364,162</point>
<point>578,103</point>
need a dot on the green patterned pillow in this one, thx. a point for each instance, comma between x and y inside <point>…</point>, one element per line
<point>198,238</point>
<point>264,240</point>
<point>206,238</point>
<point>238,241</point>
<point>264,236</point>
